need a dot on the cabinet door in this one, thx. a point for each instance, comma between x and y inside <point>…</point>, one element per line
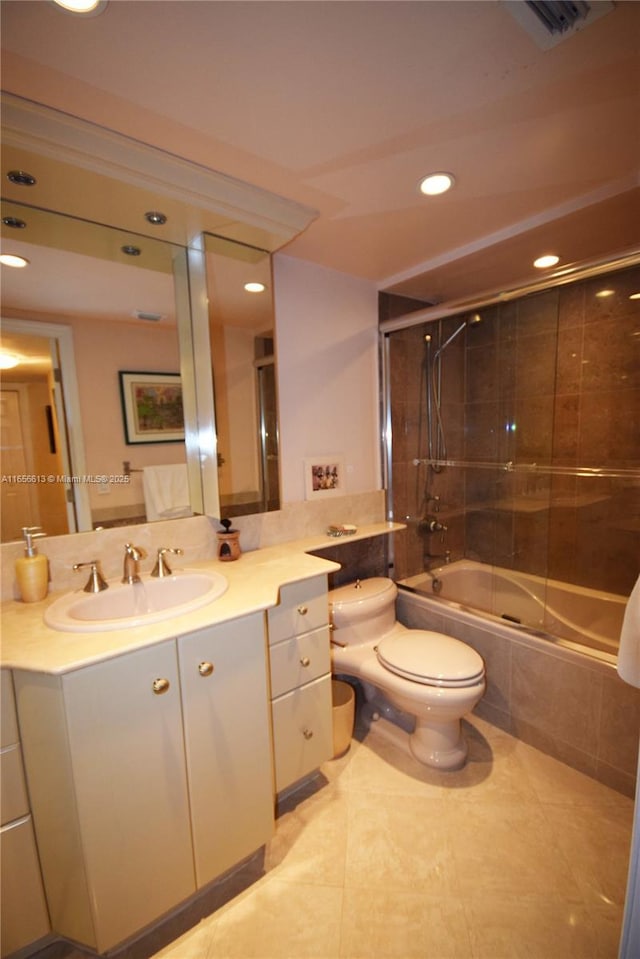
<point>125,737</point>
<point>223,671</point>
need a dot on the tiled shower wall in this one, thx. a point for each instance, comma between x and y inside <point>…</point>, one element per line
<point>549,383</point>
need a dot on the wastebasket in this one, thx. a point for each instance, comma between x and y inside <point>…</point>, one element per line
<point>344,703</point>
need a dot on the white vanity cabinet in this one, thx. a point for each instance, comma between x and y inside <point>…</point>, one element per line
<point>300,667</point>
<point>24,911</point>
<point>150,775</point>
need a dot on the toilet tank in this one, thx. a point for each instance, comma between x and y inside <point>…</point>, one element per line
<point>363,611</point>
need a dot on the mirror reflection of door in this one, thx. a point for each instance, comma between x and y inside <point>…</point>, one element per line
<point>33,441</point>
<point>119,311</point>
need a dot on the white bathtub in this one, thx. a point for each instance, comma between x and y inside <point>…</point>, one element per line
<point>588,618</point>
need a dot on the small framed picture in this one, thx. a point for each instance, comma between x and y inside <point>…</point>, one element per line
<point>151,407</point>
<point>324,476</point>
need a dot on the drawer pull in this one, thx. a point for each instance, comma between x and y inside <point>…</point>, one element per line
<point>305,661</point>
<point>303,610</point>
<point>307,733</point>
<point>205,669</point>
<point>160,686</point>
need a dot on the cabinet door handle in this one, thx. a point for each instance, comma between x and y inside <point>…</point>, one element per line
<point>303,610</point>
<point>307,733</point>
<point>305,661</point>
<point>160,686</point>
<point>205,669</point>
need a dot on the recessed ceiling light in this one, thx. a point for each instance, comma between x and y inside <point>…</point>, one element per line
<point>8,360</point>
<point>21,178</point>
<point>131,250</point>
<point>11,259</point>
<point>85,7</point>
<point>635,296</point>
<point>436,183</point>
<point>155,217</point>
<point>255,287</point>
<point>544,262</point>
<point>603,294</point>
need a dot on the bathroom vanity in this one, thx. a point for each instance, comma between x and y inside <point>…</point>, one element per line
<point>154,755</point>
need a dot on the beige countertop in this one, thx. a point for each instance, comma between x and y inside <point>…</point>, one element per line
<point>254,581</point>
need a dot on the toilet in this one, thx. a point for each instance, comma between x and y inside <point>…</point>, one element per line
<point>433,678</point>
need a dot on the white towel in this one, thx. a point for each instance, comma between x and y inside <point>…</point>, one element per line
<point>166,491</point>
<point>629,652</point>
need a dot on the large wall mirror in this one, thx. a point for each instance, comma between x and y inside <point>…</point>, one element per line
<point>97,311</point>
<point>91,306</point>
<point>93,313</point>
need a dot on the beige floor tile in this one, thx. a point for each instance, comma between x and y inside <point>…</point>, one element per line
<point>279,920</point>
<point>493,770</point>
<point>506,928</point>
<point>596,841</point>
<point>508,849</point>
<point>311,839</point>
<point>397,924</point>
<point>557,783</point>
<point>380,766</point>
<point>194,944</point>
<point>399,842</point>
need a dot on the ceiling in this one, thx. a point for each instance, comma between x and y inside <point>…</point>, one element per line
<point>344,106</point>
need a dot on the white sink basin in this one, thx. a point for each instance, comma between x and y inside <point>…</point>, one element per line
<point>124,605</point>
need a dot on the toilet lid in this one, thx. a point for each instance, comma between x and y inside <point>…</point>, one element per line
<point>431,658</point>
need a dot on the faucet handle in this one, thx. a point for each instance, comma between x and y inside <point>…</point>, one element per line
<point>135,552</point>
<point>96,582</point>
<point>162,568</point>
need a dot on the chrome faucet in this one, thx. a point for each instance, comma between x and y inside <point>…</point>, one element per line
<point>446,556</point>
<point>132,557</point>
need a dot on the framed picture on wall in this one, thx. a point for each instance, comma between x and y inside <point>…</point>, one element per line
<point>324,476</point>
<point>151,407</point>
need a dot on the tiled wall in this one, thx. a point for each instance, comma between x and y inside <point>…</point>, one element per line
<point>553,380</point>
<point>564,704</point>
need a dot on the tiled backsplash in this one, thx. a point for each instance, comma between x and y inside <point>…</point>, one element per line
<point>196,536</point>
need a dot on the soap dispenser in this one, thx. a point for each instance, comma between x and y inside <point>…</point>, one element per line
<point>228,542</point>
<point>32,569</point>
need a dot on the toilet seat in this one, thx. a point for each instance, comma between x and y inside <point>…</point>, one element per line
<point>432,659</point>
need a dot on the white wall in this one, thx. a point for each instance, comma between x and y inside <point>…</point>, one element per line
<point>327,355</point>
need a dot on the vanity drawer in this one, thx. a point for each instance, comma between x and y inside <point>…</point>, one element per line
<point>302,731</point>
<point>300,660</point>
<point>14,802</point>
<point>303,606</point>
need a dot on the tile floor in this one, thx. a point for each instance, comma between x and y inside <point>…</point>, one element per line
<point>515,857</point>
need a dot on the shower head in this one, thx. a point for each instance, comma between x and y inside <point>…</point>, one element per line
<point>472,320</point>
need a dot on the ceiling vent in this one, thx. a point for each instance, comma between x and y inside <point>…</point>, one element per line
<point>548,22</point>
<point>150,317</point>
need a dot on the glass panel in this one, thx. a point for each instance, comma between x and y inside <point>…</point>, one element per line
<point>537,456</point>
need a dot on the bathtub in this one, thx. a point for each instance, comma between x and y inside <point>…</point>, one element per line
<point>558,691</point>
<point>587,620</point>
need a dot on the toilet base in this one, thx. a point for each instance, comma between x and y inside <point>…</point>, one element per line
<point>439,745</point>
<point>448,752</point>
